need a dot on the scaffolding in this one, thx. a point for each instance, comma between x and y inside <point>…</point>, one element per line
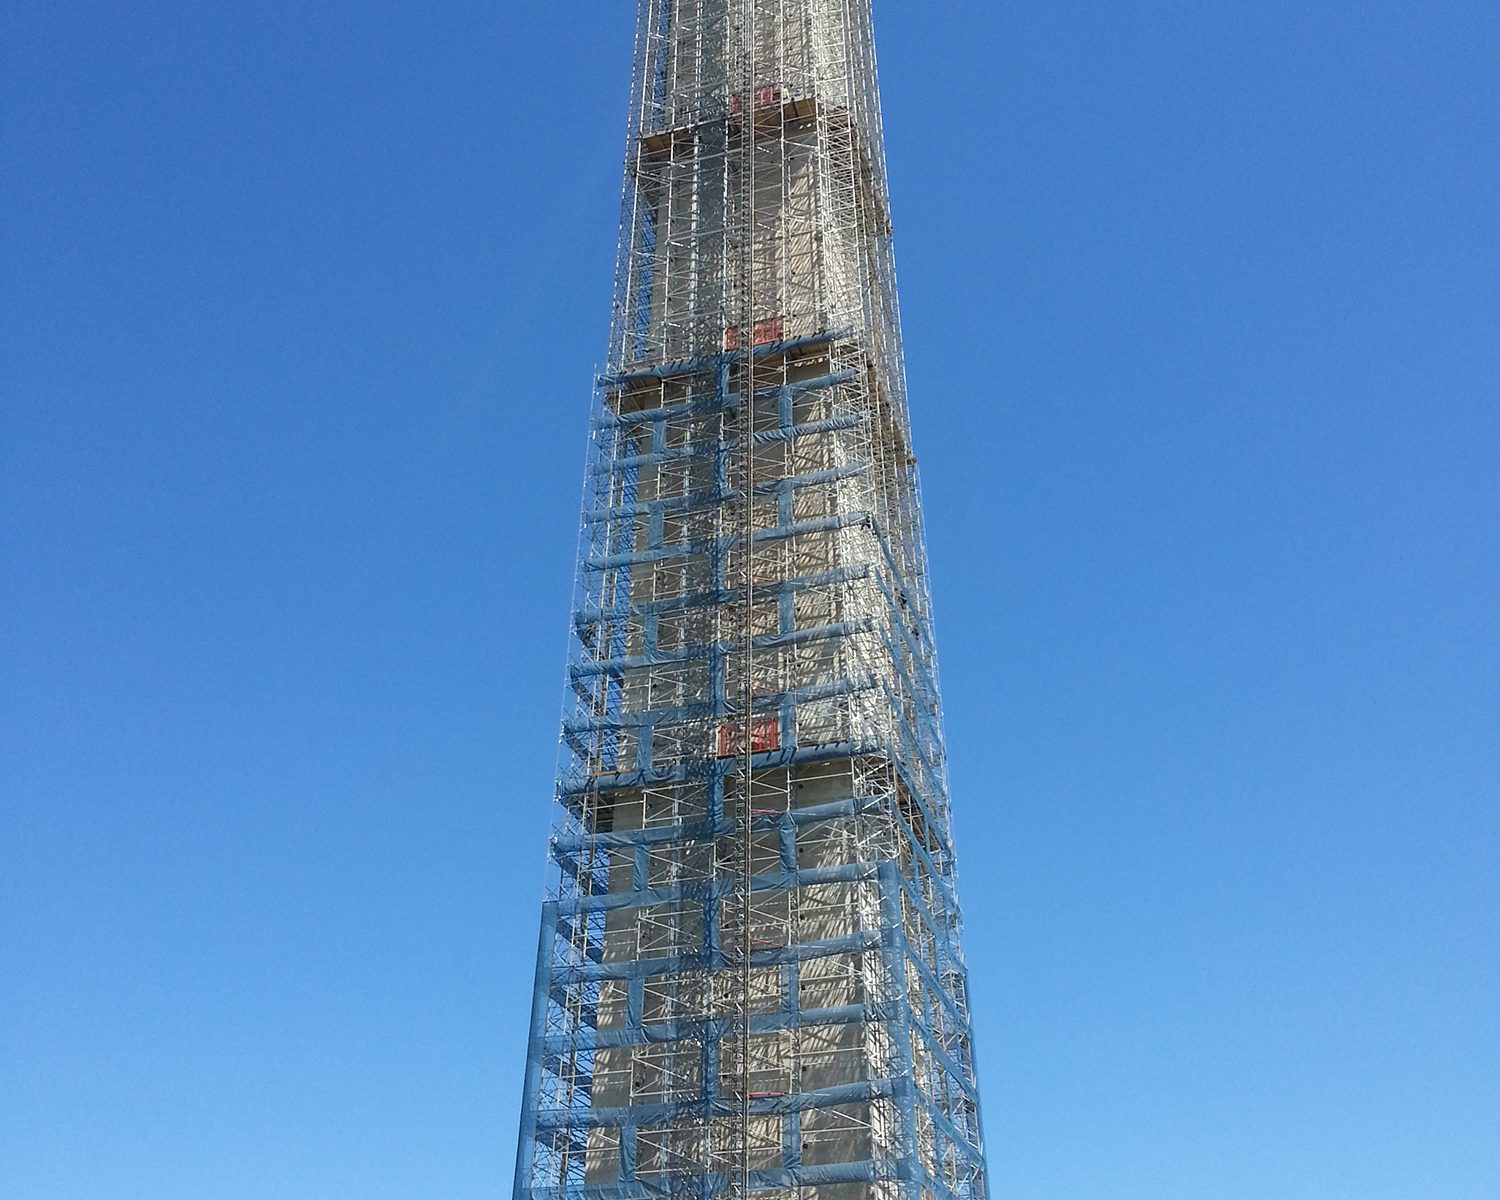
<point>749,978</point>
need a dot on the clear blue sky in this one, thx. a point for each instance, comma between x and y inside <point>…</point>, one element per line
<point>299,305</point>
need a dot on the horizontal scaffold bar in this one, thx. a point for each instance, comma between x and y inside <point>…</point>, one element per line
<point>659,1187</point>
<point>728,541</point>
<point>719,400</point>
<point>769,702</point>
<point>717,889</point>
<point>959,1018</point>
<point>957,1137</point>
<point>707,362</point>
<point>627,1116</point>
<point>831,810</point>
<point>611,466</point>
<point>957,1072</point>
<point>712,596</point>
<point>655,1032</point>
<point>573,787</point>
<point>713,498</point>
<point>689,654</point>
<point>676,964</point>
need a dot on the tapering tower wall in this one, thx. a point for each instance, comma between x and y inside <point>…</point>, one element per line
<point>749,976</point>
